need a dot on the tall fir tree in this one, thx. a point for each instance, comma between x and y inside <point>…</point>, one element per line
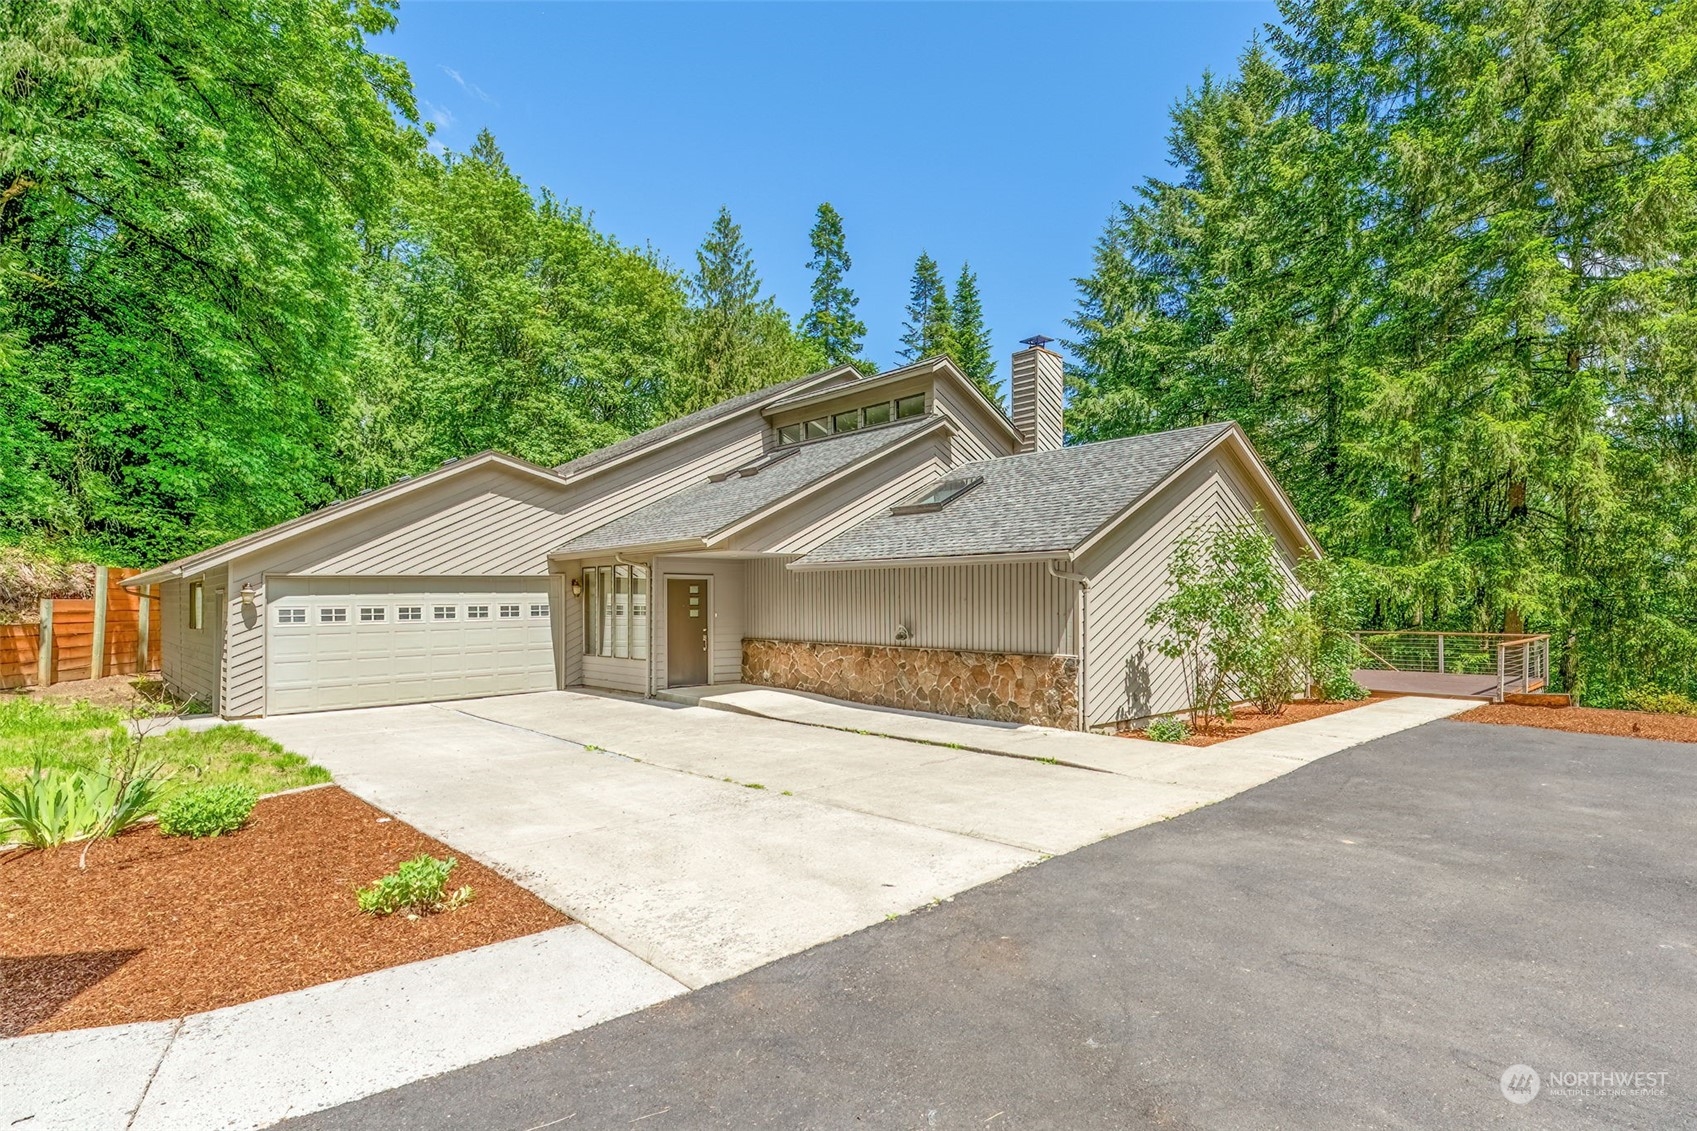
<point>830,321</point>
<point>969,338</point>
<point>740,340</point>
<point>928,330</point>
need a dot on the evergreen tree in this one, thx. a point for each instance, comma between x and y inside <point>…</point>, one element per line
<point>740,340</point>
<point>830,321</point>
<point>970,340</point>
<point>927,331</point>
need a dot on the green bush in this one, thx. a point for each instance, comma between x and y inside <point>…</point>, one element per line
<point>418,887</point>
<point>1659,702</point>
<point>53,806</point>
<point>1341,687</point>
<point>210,810</point>
<point>1168,730</point>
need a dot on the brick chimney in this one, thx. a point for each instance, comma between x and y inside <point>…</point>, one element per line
<point>1037,391</point>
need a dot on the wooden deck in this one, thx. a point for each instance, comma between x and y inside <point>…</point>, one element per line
<point>1441,684</point>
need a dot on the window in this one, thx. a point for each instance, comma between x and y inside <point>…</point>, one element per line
<point>865,417</point>
<point>537,611</point>
<point>372,614</point>
<point>444,612</point>
<point>291,616</point>
<point>477,612</point>
<point>410,612</point>
<point>846,421</point>
<point>789,434</point>
<point>937,496</point>
<point>876,413</point>
<point>197,604</point>
<point>615,612</point>
<point>910,406</point>
<point>332,616</point>
<point>818,428</point>
<point>509,611</point>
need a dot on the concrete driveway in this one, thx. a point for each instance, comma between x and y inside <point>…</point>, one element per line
<point>709,843</point>
<point>1370,941</point>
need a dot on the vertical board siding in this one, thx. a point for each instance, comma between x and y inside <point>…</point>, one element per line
<point>1125,677</point>
<point>190,663</point>
<point>1012,607</point>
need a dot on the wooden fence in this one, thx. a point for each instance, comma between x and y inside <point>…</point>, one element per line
<point>114,633</point>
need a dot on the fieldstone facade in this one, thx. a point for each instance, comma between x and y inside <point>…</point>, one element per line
<point>977,685</point>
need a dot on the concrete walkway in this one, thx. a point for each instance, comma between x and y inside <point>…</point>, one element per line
<point>1233,765</point>
<point>250,1065</point>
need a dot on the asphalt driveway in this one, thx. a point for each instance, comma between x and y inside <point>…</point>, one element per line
<point>1369,941</point>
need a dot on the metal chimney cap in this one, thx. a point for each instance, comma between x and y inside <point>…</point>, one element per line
<point>1036,341</point>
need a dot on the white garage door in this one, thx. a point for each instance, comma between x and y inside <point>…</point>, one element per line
<point>368,642</point>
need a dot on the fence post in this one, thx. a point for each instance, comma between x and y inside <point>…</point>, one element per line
<point>97,656</point>
<point>1440,653</point>
<point>44,657</point>
<point>144,612</point>
<point>1502,652</point>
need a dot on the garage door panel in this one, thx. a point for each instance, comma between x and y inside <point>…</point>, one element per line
<point>366,655</point>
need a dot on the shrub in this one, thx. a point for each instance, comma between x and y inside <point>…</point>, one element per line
<point>418,887</point>
<point>53,806</point>
<point>1341,687</point>
<point>1659,702</point>
<point>1168,730</point>
<point>208,811</point>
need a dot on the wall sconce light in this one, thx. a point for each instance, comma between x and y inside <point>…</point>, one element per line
<point>247,594</point>
<point>577,588</point>
<point>902,633</point>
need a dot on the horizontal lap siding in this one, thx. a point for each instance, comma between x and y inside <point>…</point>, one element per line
<point>976,437</point>
<point>1125,677</point>
<point>1012,607</point>
<point>807,525</point>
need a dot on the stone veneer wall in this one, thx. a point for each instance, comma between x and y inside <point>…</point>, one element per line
<point>977,685</point>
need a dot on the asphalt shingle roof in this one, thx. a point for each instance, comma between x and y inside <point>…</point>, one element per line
<point>708,507</point>
<point>1031,503</point>
<point>671,428</point>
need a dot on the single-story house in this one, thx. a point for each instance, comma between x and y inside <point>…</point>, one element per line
<point>894,539</point>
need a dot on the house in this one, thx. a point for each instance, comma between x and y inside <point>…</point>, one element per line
<point>894,539</point>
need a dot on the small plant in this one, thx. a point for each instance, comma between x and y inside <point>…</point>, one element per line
<point>1339,687</point>
<point>51,807</point>
<point>1659,702</point>
<point>417,887</point>
<point>1171,729</point>
<point>208,811</point>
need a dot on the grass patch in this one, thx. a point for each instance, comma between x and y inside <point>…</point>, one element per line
<point>75,735</point>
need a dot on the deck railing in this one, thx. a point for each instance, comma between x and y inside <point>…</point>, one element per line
<point>1520,661</point>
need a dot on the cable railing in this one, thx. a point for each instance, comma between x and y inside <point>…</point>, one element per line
<point>1520,662</point>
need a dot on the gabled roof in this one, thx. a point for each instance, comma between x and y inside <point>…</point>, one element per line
<point>331,512</point>
<point>1036,504</point>
<point>698,516</point>
<point>703,418</point>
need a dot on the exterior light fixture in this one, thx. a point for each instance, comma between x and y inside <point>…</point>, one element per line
<point>577,588</point>
<point>247,594</point>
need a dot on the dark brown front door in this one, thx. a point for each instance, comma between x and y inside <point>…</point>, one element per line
<point>686,632</point>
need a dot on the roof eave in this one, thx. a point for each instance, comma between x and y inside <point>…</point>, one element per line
<point>1059,553</point>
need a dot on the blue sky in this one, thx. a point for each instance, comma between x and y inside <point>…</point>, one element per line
<point>1000,134</point>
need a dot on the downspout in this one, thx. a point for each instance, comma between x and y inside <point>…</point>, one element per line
<point>1079,636</point>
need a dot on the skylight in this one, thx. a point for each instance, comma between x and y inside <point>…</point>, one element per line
<point>938,495</point>
<point>754,468</point>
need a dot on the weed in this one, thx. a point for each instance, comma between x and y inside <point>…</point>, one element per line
<point>210,810</point>
<point>418,887</point>
<point>1168,730</point>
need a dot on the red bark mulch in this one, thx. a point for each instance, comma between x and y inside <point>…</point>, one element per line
<point>1248,720</point>
<point>158,927</point>
<point>1588,720</point>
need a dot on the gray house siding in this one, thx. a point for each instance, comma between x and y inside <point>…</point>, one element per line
<point>977,436</point>
<point>807,524</point>
<point>992,607</point>
<point>191,656</point>
<point>1125,678</point>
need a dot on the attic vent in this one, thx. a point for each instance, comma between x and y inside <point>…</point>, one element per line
<point>938,495</point>
<point>754,468</point>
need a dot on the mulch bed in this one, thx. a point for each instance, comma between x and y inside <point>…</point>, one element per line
<point>158,927</point>
<point>1248,720</point>
<point>1588,720</point>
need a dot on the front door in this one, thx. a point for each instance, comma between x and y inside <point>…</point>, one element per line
<point>686,631</point>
